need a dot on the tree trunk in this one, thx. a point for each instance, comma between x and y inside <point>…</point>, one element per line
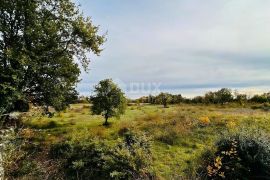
<point>165,104</point>
<point>106,121</point>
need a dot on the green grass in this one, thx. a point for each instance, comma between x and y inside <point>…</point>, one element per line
<point>178,134</point>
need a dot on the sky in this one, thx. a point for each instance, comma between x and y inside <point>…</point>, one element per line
<point>180,46</point>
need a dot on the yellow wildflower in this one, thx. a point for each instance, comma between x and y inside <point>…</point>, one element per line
<point>204,120</point>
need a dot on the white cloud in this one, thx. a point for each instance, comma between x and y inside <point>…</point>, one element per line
<point>183,43</point>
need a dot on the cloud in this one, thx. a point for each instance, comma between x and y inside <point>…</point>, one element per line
<point>185,44</point>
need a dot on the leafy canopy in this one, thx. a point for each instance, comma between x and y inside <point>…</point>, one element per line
<point>39,43</point>
<point>108,100</point>
<point>164,98</point>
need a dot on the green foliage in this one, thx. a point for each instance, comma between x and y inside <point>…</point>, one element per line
<point>173,158</point>
<point>221,96</point>
<point>80,160</point>
<point>171,99</point>
<point>128,159</point>
<point>164,99</point>
<point>45,125</point>
<point>210,97</point>
<point>264,98</point>
<point>38,42</point>
<point>131,158</point>
<point>198,99</point>
<point>168,137</point>
<point>241,99</point>
<point>224,95</point>
<point>15,156</point>
<point>50,125</point>
<point>108,101</point>
<point>21,106</point>
<point>245,155</point>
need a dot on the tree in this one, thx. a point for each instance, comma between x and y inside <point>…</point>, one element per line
<point>210,97</point>
<point>198,99</point>
<point>39,42</point>
<point>151,99</point>
<point>259,98</point>
<point>241,98</point>
<point>164,98</point>
<point>176,99</point>
<point>224,95</point>
<point>108,101</point>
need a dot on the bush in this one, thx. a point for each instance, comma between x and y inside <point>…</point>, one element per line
<point>245,155</point>
<point>264,107</point>
<point>21,106</point>
<point>169,137</point>
<point>130,158</point>
<point>122,131</point>
<point>60,150</point>
<point>44,125</point>
<point>50,125</point>
<point>16,158</point>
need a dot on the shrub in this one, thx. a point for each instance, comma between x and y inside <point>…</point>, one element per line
<point>59,150</point>
<point>130,158</point>
<point>169,137</point>
<point>264,107</point>
<point>43,125</point>
<point>122,131</point>
<point>16,158</point>
<point>241,156</point>
<point>51,124</point>
<point>82,159</point>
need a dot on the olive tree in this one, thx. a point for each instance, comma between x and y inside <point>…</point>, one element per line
<point>108,101</point>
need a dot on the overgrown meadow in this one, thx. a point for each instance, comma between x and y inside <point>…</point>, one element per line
<point>178,135</point>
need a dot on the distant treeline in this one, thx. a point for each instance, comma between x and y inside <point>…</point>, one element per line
<point>221,96</point>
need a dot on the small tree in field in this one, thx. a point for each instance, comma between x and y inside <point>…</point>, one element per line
<point>224,95</point>
<point>164,99</point>
<point>108,101</point>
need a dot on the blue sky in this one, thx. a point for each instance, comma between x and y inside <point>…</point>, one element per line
<point>181,46</point>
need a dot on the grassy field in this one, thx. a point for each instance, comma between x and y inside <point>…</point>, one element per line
<point>179,134</point>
